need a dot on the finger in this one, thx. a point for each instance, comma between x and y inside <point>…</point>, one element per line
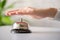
<point>14,12</point>
<point>19,12</point>
<point>23,12</point>
<point>9,13</point>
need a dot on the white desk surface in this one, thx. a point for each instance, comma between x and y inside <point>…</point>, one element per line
<point>38,33</point>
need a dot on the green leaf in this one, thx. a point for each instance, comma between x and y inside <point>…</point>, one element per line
<point>3,3</point>
<point>6,20</point>
<point>0,5</point>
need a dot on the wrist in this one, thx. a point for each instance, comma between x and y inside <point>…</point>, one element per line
<point>52,12</point>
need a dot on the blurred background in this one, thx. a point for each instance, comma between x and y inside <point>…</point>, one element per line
<point>6,5</point>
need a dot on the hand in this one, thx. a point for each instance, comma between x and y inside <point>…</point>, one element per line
<point>21,11</point>
<point>34,12</point>
<point>24,11</point>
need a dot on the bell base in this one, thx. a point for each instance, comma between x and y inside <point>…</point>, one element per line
<point>21,31</point>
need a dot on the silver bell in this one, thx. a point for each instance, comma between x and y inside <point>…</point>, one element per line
<point>21,27</point>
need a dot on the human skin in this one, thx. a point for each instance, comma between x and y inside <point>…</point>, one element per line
<point>48,12</point>
<point>34,12</point>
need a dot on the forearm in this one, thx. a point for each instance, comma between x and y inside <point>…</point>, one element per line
<point>51,12</point>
